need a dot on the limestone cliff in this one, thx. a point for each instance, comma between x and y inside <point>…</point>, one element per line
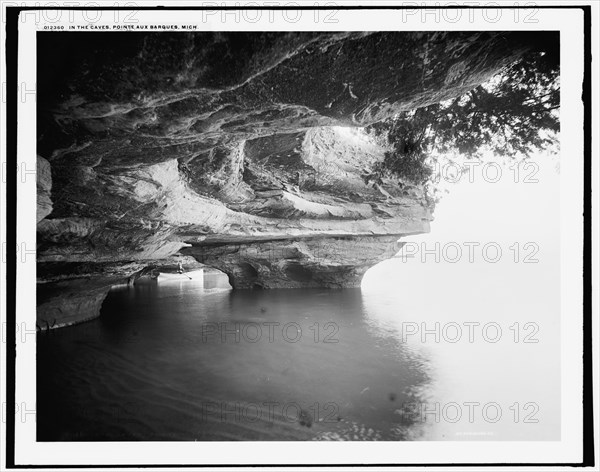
<point>243,150</point>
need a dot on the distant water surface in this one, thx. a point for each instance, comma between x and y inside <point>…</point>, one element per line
<point>175,362</point>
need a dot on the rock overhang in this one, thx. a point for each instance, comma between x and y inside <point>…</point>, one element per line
<point>151,142</point>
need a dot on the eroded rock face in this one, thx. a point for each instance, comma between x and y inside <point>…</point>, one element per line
<point>234,146</point>
<point>69,302</point>
<point>335,262</point>
<point>73,292</point>
<point>44,188</point>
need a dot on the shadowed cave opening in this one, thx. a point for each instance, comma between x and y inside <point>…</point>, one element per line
<point>247,272</point>
<point>204,281</point>
<point>298,273</point>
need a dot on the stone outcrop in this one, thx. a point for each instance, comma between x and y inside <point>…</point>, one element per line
<point>243,150</point>
<point>72,292</point>
<point>44,188</point>
<point>334,262</point>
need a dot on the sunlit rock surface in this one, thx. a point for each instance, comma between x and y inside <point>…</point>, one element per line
<point>245,149</point>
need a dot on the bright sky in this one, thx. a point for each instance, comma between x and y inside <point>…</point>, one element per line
<point>501,213</point>
<point>419,290</point>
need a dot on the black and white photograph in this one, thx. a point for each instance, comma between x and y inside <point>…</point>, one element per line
<point>243,232</point>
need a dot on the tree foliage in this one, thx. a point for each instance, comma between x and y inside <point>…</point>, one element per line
<point>513,115</point>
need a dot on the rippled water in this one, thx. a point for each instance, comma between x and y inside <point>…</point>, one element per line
<point>173,362</point>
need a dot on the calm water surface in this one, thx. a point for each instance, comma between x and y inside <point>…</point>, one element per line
<point>175,362</point>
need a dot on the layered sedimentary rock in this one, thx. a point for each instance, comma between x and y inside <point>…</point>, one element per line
<point>72,292</point>
<point>243,150</point>
<point>44,188</point>
<point>334,262</point>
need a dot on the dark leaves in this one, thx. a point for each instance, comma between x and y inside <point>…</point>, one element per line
<point>513,115</point>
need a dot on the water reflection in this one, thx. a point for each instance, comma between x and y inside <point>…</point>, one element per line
<point>490,347</point>
<point>171,362</point>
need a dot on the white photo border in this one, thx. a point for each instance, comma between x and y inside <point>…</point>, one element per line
<point>569,21</point>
